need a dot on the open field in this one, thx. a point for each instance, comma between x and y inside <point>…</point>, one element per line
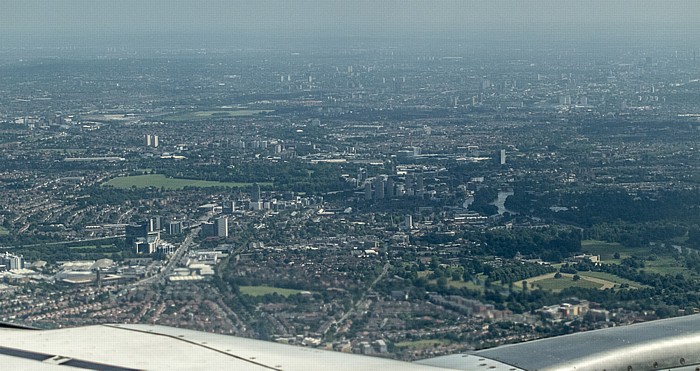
<point>663,263</point>
<point>4,231</point>
<point>558,284</point>
<point>90,247</point>
<point>212,115</point>
<point>612,278</point>
<point>466,284</point>
<point>120,117</point>
<point>264,290</point>
<point>421,344</point>
<point>87,247</point>
<point>161,181</point>
<point>607,250</point>
<point>548,282</point>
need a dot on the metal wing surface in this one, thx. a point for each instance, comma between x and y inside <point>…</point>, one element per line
<point>665,344</point>
<point>145,347</point>
<point>657,345</point>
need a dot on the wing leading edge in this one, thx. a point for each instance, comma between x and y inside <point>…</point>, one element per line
<point>146,347</point>
<point>664,344</point>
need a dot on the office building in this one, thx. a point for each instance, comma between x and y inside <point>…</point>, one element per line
<point>207,229</point>
<point>255,194</point>
<point>175,228</point>
<point>361,175</point>
<point>142,237</point>
<point>408,223</point>
<point>151,140</point>
<point>228,207</point>
<point>154,224</point>
<point>136,231</point>
<point>390,188</point>
<point>221,226</point>
<point>379,188</point>
<point>10,261</point>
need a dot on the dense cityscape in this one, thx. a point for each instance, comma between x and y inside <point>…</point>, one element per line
<point>395,202</point>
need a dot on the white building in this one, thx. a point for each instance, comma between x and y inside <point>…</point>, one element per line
<point>11,261</point>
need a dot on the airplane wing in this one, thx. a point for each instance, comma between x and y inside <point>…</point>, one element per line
<point>146,347</point>
<point>664,344</point>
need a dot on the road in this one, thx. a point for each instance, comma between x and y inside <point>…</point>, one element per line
<point>179,252</point>
<point>72,241</point>
<point>170,265</point>
<point>361,302</point>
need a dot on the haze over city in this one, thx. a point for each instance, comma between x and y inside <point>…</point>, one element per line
<point>310,23</point>
<point>396,179</point>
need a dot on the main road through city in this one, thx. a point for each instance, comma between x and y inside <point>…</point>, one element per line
<point>361,302</point>
<point>170,265</point>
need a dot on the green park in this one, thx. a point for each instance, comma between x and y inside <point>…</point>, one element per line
<point>211,115</point>
<point>161,181</point>
<point>268,290</point>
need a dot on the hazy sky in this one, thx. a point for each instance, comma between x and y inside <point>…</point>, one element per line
<point>38,22</point>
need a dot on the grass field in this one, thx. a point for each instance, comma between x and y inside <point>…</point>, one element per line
<point>421,344</point>
<point>161,181</point>
<point>612,278</point>
<point>90,247</point>
<point>264,290</point>
<point>468,284</point>
<point>607,250</point>
<point>664,264</point>
<point>86,247</point>
<point>558,284</point>
<point>548,282</point>
<point>4,231</point>
<point>213,114</point>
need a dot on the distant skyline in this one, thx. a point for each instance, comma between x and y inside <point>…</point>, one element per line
<point>258,22</point>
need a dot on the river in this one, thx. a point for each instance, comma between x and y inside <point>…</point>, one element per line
<point>501,200</point>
